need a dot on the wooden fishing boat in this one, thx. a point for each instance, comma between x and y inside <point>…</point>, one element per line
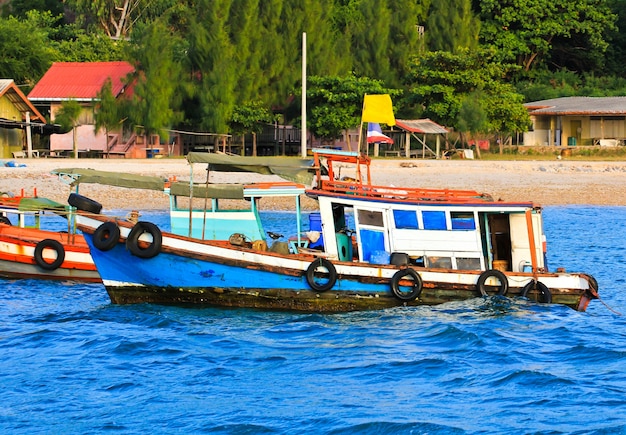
<point>38,240</point>
<point>368,247</point>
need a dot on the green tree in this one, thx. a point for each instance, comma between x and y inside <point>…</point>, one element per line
<point>371,40</point>
<point>406,36</point>
<point>68,116</point>
<point>440,81</point>
<point>116,18</point>
<point>156,100</point>
<point>25,48</point>
<point>106,112</point>
<point>211,54</point>
<point>334,104</point>
<point>20,8</point>
<point>472,118</point>
<point>77,45</point>
<point>250,118</point>
<point>523,31</point>
<point>616,52</point>
<point>452,25</point>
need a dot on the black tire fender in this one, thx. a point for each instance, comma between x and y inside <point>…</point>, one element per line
<point>49,244</point>
<point>5,220</point>
<point>83,203</point>
<point>106,236</point>
<point>504,282</point>
<point>545,295</point>
<point>132,241</point>
<point>416,288</point>
<point>312,269</point>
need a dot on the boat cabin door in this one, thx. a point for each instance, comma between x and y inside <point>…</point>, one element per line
<point>499,239</point>
<point>372,236</point>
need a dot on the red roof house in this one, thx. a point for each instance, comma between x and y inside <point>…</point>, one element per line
<point>80,81</point>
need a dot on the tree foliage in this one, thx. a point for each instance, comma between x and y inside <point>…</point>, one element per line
<point>26,52</point>
<point>524,31</point>
<point>116,18</point>
<point>107,112</point>
<point>205,58</point>
<point>155,99</point>
<point>68,116</point>
<point>452,25</point>
<point>334,104</point>
<point>442,81</point>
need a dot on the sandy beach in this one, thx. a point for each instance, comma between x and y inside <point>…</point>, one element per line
<point>556,182</point>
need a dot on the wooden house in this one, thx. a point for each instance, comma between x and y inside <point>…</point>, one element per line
<point>17,113</point>
<point>574,121</point>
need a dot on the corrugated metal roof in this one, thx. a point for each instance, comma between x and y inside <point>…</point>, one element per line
<point>578,106</point>
<point>79,80</point>
<point>11,92</point>
<point>421,126</point>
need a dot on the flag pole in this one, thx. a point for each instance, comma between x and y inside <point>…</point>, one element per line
<point>303,135</point>
<point>361,126</point>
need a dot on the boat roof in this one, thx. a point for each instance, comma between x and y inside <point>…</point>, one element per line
<point>294,169</point>
<point>76,176</point>
<point>29,203</point>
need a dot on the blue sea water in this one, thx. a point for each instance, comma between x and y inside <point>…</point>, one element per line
<point>73,363</point>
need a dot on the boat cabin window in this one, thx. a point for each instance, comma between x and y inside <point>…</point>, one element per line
<point>371,218</point>
<point>405,219</point>
<point>462,220</point>
<point>434,220</point>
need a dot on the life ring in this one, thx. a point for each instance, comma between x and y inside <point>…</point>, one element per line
<point>312,269</point>
<point>49,244</point>
<point>83,203</point>
<point>504,283</point>
<point>545,295</point>
<point>132,241</point>
<point>416,288</point>
<point>106,236</point>
<point>5,220</point>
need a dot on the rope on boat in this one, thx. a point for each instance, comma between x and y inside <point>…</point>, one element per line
<point>609,308</point>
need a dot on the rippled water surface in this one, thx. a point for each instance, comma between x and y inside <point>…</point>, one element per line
<point>71,362</point>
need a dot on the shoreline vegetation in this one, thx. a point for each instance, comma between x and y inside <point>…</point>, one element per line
<point>546,182</point>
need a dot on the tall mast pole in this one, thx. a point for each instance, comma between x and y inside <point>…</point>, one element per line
<point>303,133</point>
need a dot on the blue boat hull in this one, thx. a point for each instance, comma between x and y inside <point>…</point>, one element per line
<point>191,280</point>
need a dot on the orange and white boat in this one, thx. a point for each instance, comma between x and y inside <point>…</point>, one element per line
<point>38,240</point>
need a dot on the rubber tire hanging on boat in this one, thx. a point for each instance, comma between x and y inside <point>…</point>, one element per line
<point>416,287</point>
<point>49,244</point>
<point>83,203</point>
<point>504,283</point>
<point>310,274</point>
<point>545,295</point>
<point>106,236</point>
<point>5,220</point>
<point>132,241</point>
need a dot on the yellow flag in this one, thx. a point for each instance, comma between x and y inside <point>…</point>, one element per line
<point>378,108</point>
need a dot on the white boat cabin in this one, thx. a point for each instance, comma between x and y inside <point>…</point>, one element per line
<point>460,230</point>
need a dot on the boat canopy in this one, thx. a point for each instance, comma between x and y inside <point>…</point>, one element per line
<point>290,168</point>
<point>215,191</point>
<point>39,204</point>
<point>76,176</point>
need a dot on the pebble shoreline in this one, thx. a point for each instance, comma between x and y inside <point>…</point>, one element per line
<point>542,182</point>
